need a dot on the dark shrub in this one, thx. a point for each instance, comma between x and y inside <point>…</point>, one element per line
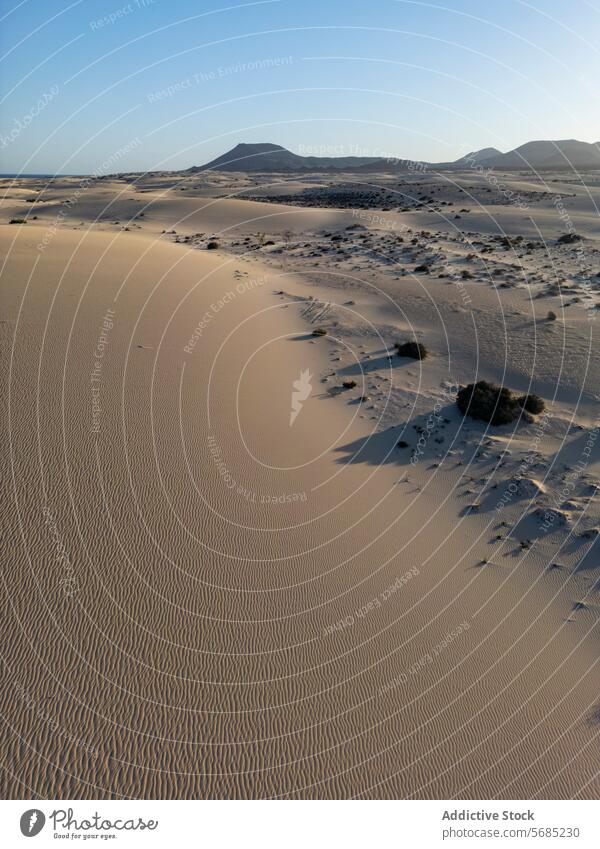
<point>349,384</point>
<point>495,404</point>
<point>508,242</point>
<point>532,403</point>
<point>319,331</point>
<point>17,221</point>
<point>414,350</point>
<point>487,402</point>
<point>568,238</point>
<point>551,316</point>
<point>212,246</point>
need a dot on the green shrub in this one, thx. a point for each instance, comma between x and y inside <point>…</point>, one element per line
<point>414,350</point>
<point>532,403</point>
<point>495,405</point>
<point>487,402</point>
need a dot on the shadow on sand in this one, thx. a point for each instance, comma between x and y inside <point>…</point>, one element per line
<point>425,435</point>
<point>381,359</point>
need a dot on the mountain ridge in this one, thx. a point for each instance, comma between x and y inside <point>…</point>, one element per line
<point>538,154</point>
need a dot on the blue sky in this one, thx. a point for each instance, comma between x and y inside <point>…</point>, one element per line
<point>172,84</point>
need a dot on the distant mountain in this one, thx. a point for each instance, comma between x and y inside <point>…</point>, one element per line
<point>254,157</point>
<point>535,155</point>
<point>273,157</point>
<point>394,165</point>
<point>567,153</point>
<point>477,157</point>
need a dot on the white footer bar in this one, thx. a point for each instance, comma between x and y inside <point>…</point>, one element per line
<point>302,825</point>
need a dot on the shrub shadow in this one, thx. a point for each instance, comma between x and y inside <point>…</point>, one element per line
<point>420,434</point>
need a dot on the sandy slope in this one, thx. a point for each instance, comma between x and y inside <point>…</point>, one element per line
<point>200,600</point>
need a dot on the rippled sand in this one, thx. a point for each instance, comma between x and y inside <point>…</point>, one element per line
<point>202,600</point>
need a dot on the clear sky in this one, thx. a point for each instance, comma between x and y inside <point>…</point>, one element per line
<point>149,84</point>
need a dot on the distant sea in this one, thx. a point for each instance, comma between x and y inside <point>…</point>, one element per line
<point>39,176</point>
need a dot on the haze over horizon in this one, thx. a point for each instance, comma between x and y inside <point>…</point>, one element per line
<point>165,88</point>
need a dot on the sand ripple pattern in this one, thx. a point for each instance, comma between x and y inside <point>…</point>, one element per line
<point>200,600</point>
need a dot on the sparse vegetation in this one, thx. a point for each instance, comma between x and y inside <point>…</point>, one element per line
<point>532,403</point>
<point>414,350</point>
<point>510,241</point>
<point>568,238</point>
<point>495,405</point>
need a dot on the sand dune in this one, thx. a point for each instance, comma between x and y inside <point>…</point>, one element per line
<point>203,601</point>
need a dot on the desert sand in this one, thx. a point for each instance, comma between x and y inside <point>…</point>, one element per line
<point>202,600</point>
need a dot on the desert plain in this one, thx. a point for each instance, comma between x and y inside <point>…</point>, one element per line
<point>249,551</point>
